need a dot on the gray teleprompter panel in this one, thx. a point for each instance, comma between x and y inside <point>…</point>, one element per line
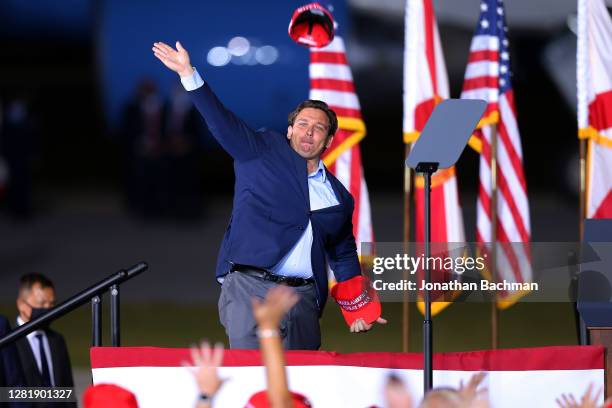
<point>447,132</point>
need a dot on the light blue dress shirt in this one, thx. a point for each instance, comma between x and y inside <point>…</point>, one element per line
<point>193,81</point>
<point>35,348</point>
<point>296,262</point>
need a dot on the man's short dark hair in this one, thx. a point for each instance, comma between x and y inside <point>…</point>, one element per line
<point>315,104</point>
<point>28,280</point>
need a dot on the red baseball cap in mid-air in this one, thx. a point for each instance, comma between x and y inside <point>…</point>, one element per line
<point>312,26</point>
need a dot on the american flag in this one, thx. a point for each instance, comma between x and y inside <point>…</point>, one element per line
<point>488,77</point>
<point>331,81</point>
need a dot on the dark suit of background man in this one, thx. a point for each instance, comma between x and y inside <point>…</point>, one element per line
<point>11,374</point>
<point>290,215</point>
<point>43,353</point>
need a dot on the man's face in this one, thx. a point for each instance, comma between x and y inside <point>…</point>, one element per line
<point>308,135</point>
<point>37,297</point>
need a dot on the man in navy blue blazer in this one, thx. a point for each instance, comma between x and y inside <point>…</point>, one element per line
<point>291,217</point>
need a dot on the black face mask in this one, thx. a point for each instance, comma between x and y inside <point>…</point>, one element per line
<point>37,312</point>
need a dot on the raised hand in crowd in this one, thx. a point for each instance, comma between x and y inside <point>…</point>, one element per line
<point>467,396</point>
<point>471,394</point>
<point>268,314</point>
<point>397,394</point>
<point>175,59</point>
<point>589,399</point>
<point>207,360</point>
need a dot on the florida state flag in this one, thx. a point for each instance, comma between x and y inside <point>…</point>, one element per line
<point>594,79</point>
<point>426,85</point>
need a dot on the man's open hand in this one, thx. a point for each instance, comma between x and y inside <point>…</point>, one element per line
<point>177,60</point>
<point>360,325</point>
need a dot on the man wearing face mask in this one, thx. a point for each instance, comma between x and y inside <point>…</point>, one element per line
<point>43,353</point>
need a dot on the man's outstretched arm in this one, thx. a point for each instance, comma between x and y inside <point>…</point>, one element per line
<point>240,141</point>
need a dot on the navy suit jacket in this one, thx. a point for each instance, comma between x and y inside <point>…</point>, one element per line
<point>271,207</point>
<point>62,369</point>
<point>11,372</point>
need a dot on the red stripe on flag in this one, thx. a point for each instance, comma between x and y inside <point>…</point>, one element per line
<point>486,148</point>
<point>509,251</point>
<point>515,160</point>
<point>485,200</point>
<point>509,95</point>
<point>333,84</point>
<point>328,57</point>
<point>355,185</point>
<point>600,111</point>
<point>418,210</point>
<point>348,112</point>
<point>517,219</point>
<point>422,112</point>
<point>438,205</point>
<point>605,208</point>
<point>429,44</point>
<point>478,236</point>
<point>339,138</point>
<point>483,196</point>
<point>480,82</point>
<point>332,167</point>
<point>491,107</point>
<point>484,55</point>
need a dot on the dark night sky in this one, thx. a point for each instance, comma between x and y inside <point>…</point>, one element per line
<point>76,148</point>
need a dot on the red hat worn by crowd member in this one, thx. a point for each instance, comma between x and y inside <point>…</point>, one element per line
<point>357,300</point>
<point>312,25</point>
<point>108,395</point>
<point>260,400</point>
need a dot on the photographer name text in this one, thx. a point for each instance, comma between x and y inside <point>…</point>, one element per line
<point>483,285</point>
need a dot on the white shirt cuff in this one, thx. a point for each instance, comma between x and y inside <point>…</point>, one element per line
<point>193,81</point>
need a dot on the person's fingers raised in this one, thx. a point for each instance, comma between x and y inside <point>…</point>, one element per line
<point>206,352</point>
<point>195,356</point>
<point>217,356</point>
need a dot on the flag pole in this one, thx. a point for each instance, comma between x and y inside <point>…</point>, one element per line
<point>583,176</point>
<point>582,76</point>
<point>494,311</point>
<point>406,240</point>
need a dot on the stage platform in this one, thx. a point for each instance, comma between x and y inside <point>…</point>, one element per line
<point>527,377</point>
